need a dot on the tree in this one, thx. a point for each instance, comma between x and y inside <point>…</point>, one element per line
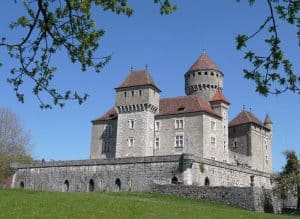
<point>14,142</point>
<point>288,181</point>
<point>52,25</point>
<point>68,25</point>
<point>272,72</point>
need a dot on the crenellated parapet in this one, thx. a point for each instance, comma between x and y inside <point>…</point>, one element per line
<point>137,108</point>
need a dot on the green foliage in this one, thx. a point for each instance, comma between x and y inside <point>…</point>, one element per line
<point>34,204</point>
<point>288,181</point>
<point>14,142</point>
<point>272,73</point>
<point>5,162</point>
<point>53,25</point>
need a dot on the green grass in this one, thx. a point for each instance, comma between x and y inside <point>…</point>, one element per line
<point>36,204</point>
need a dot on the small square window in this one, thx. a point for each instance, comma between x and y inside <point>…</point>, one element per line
<point>130,142</point>
<point>156,143</point>
<point>131,124</point>
<point>179,123</point>
<point>213,141</point>
<point>179,141</point>
<point>157,126</point>
<point>213,125</point>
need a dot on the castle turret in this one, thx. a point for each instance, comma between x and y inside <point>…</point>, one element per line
<point>268,122</point>
<point>137,101</point>
<point>220,105</point>
<point>203,78</point>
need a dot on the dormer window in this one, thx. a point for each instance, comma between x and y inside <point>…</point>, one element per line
<point>181,108</point>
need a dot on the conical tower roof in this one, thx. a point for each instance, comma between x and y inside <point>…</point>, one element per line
<point>219,96</point>
<point>138,78</point>
<point>204,63</point>
<point>267,120</point>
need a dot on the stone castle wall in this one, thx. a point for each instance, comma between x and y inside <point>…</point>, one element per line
<point>251,198</point>
<point>136,174</point>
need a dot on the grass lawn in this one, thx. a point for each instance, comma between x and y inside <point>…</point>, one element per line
<point>35,204</point>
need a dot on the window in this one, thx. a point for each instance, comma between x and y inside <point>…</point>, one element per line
<point>179,124</point>
<point>140,92</point>
<point>213,141</point>
<point>131,124</point>
<point>130,142</point>
<point>108,129</point>
<point>132,93</point>
<point>106,146</point>
<point>213,125</point>
<point>224,145</point>
<point>157,126</point>
<point>199,73</point>
<point>156,143</point>
<point>267,161</point>
<point>179,141</point>
<point>125,94</point>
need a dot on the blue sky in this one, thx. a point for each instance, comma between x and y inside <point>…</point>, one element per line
<point>169,45</point>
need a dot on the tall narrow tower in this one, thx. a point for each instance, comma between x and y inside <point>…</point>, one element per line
<point>137,102</point>
<point>203,78</point>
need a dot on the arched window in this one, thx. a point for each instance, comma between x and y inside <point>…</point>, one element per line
<point>206,182</point>
<point>22,185</point>
<point>174,180</point>
<point>91,185</point>
<point>66,186</point>
<point>118,185</point>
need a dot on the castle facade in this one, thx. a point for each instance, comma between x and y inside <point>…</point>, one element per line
<point>145,141</point>
<point>142,124</point>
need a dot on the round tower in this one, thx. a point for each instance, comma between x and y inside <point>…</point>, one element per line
<point>203,78</point>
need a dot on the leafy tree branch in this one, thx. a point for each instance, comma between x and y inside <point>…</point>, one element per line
<point>272,73</point>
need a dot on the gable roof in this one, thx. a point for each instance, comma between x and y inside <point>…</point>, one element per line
<point>138,78</point>
<point>245,117</point>
<point>204,63</point>
<point>219,96</point>
<point>184,104</point>
<point>171,106</point>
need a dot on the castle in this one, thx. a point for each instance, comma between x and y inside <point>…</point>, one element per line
<point>141,124</point>
<point>144,141</point>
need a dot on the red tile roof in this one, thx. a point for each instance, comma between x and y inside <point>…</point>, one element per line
<point>138,78</point>
<point>204,63</point>
<point>219,96</point>
<point>109,115</point>
<point>245,117</point>
<point>184,104</point>
<point>171,106</point>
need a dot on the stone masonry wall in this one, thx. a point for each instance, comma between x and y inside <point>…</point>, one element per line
<point>252,198</point>
<point>135,174</point>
